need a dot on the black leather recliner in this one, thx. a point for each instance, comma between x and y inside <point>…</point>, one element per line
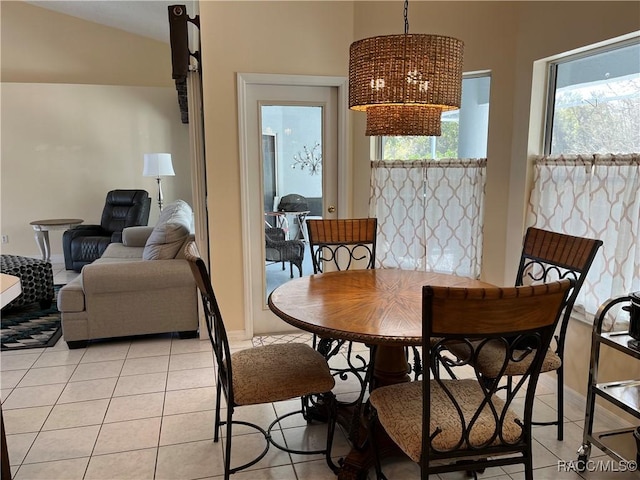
<point>83,244</point>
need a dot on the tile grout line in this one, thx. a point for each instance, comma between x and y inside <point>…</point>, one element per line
<point>164,405</point>
<point>106,411</point>
<point>22,462</point>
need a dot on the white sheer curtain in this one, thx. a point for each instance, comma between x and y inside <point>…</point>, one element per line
<point>430,214</point>
<point>596,196</point>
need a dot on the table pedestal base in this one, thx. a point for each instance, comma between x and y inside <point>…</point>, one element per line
<point>361,459</point>
<point>390,366</point>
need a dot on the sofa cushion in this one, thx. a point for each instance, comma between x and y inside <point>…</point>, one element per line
<point>169,234</point>
<point>136,236</point>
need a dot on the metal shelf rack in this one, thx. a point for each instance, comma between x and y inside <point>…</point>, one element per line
<point>619,444</point>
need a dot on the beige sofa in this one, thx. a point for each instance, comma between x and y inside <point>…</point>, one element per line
<point>140,286</point>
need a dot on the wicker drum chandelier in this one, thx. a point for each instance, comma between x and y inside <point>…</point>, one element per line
<point>404,82</point>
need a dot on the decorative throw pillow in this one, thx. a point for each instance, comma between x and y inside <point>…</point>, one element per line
<point>173,227</point>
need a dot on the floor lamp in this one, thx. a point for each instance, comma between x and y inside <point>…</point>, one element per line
<point>158,165</point>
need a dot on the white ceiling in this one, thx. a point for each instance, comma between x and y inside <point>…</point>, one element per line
<point>148,18</point>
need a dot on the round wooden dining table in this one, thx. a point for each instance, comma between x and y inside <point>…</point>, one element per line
<point>381,307</point>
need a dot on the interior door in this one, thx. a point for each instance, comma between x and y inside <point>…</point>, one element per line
<point>284,112</point>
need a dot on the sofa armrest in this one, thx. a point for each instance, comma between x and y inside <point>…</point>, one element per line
<point>133,276</point>
<point>136,236</point>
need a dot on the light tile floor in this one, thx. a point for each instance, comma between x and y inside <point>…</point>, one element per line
<point>143,409</point>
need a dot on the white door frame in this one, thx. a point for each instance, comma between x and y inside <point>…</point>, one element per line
<point>244,80</point>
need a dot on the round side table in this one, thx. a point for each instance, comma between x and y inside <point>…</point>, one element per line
<point>42,228</point>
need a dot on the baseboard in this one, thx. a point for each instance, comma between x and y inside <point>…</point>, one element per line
<point>237,335</point>
<point>57,258</point>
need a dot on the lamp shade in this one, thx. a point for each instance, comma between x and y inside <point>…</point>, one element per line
<point>158,165</point>
<point>392,120</point>
<point>397,76</point>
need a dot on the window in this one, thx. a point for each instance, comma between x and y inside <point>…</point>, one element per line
<point>428,193</point>
<point>588,183</point>
<point>464,131</point>
<point>590,93</point>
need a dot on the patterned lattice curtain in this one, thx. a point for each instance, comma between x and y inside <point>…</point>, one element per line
<point>430,214</point>
<point>596,196</point>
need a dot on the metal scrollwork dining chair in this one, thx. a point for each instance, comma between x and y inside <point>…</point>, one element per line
<point>258,375</point>
<point>343,244</point>
<point>464,424</point>
<point>548,256</point>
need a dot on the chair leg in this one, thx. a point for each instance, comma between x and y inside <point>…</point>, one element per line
<point>560,395</point>
<point>328,414</point>
<point>227,457</point>
<point>216,431</point>
<point>528,468</point>
<point>360,405</point>
<point>331,428</point>
<point>559,421</point>
<point>373,420</point>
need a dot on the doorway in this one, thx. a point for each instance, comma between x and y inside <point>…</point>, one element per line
<point>287,123</point>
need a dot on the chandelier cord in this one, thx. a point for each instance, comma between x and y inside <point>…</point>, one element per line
<point>406,17</point>
<point>404,53</point>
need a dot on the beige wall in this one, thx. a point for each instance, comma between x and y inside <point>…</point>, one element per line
<point>81,104</point>
<point>41,46</point>
<point>309,38</point>
<point>64,146</point>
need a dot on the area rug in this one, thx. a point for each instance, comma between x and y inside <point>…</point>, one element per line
<point>30,326</point>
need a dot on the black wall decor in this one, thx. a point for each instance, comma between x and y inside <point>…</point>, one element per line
<point>180,54</point>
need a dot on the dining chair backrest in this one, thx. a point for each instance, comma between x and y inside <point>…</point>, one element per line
<point>548,256</point>
<point>342,244</point>
<point>215,325</point>
<point>477,319</point>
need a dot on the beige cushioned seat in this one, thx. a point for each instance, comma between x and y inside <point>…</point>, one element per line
<point>492,355</point>
<point>400,413</point>
<point>273,373</point>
